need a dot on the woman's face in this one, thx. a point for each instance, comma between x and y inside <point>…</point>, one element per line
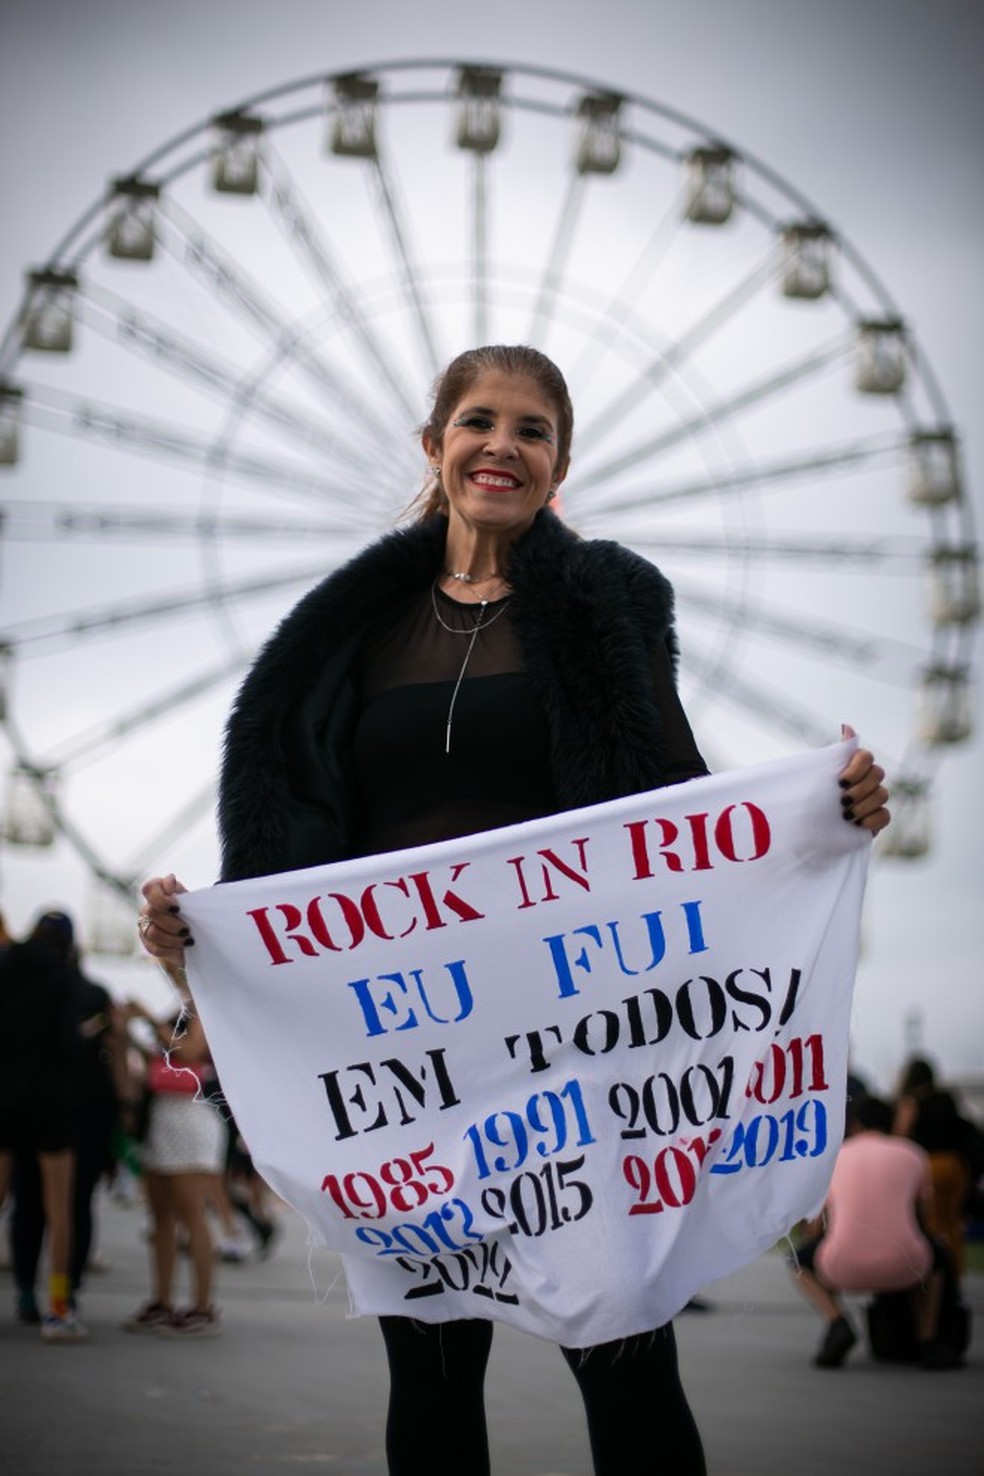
<point>498,454</point>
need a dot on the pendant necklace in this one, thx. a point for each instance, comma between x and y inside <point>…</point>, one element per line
<point>480,624</point>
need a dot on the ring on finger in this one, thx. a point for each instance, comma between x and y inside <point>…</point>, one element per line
<point>144,925</point>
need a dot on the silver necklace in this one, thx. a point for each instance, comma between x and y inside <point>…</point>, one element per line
<point>473,578</point>
<point>480,624</point>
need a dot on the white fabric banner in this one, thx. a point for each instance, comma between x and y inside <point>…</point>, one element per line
<point>561,1074</point>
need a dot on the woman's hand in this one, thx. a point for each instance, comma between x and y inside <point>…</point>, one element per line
<point>863,794</point>
<point>161,929</point>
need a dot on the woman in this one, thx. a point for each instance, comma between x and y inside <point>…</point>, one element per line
<point>39,1091</point>
<point>98,1080</point>
<point>182,1157</point>
<point>480,668</point>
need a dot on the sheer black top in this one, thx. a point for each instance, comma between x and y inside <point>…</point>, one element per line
<point>418,780</point>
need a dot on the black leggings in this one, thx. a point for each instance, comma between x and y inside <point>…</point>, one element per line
<point>631,1389</point>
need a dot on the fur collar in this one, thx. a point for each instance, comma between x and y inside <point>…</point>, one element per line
<point>588,614</point>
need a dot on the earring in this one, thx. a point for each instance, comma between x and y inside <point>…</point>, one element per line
<point>436,470</point>
<point>551,494</point>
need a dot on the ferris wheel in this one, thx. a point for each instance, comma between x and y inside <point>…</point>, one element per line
<point>210,392</point>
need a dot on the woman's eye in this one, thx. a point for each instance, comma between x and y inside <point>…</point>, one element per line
<point>484,424</point>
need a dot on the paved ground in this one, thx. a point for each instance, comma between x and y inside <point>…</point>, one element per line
<point>292,1385</point>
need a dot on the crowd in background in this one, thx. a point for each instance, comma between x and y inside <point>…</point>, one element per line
<point>97,1093</point>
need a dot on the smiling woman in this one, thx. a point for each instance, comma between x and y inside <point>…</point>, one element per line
<point>481,667</point>
<point>497,465</point>
<point>500,429</point>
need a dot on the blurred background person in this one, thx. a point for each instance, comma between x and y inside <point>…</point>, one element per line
<point>39,1076</point>
<point>929,1116</point>
<point>183,1156</point>
<point>99,1078</point>
<point>872,1237</point>
<point>248,1192</point>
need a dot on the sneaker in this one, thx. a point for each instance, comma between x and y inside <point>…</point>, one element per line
<point>67,1329</point>
<point>191,1324</point>
<point>150,1317</point>
<point>838,1341</point>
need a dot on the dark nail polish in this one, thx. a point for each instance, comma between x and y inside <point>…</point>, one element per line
<point>189,942</point>
<point>844,783</point>
<point>846,800</point>
<point>849,814</point>
<point>174,909</point>
<point>185,933</point>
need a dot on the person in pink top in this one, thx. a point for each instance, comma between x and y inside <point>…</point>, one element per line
<point>870,1236</point>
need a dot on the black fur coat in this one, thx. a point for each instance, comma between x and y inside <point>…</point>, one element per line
<point>588,615</point>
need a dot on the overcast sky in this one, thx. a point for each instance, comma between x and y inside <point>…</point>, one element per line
<point>872,108</point>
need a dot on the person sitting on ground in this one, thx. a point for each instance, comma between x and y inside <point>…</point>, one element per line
<point>870,1236</point>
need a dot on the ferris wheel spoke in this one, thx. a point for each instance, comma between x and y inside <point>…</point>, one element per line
<point>94,742</point>
<point>127,615</point>
<point>174,829</point>
<point>553,272</point>
<point>228,279</point>
<point>287,206</point>
<point>755,394</point>
<point>615,317</point>
<point>877,448</point>
<point>676,354</point>
<point>135,329</point>
<point>400,238</point>
<point>51,522</point>
<point>759,701</point>
<point>480,245</point>
<point>71,415</point>
<point>899,555</point>
<point>880,656</point>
